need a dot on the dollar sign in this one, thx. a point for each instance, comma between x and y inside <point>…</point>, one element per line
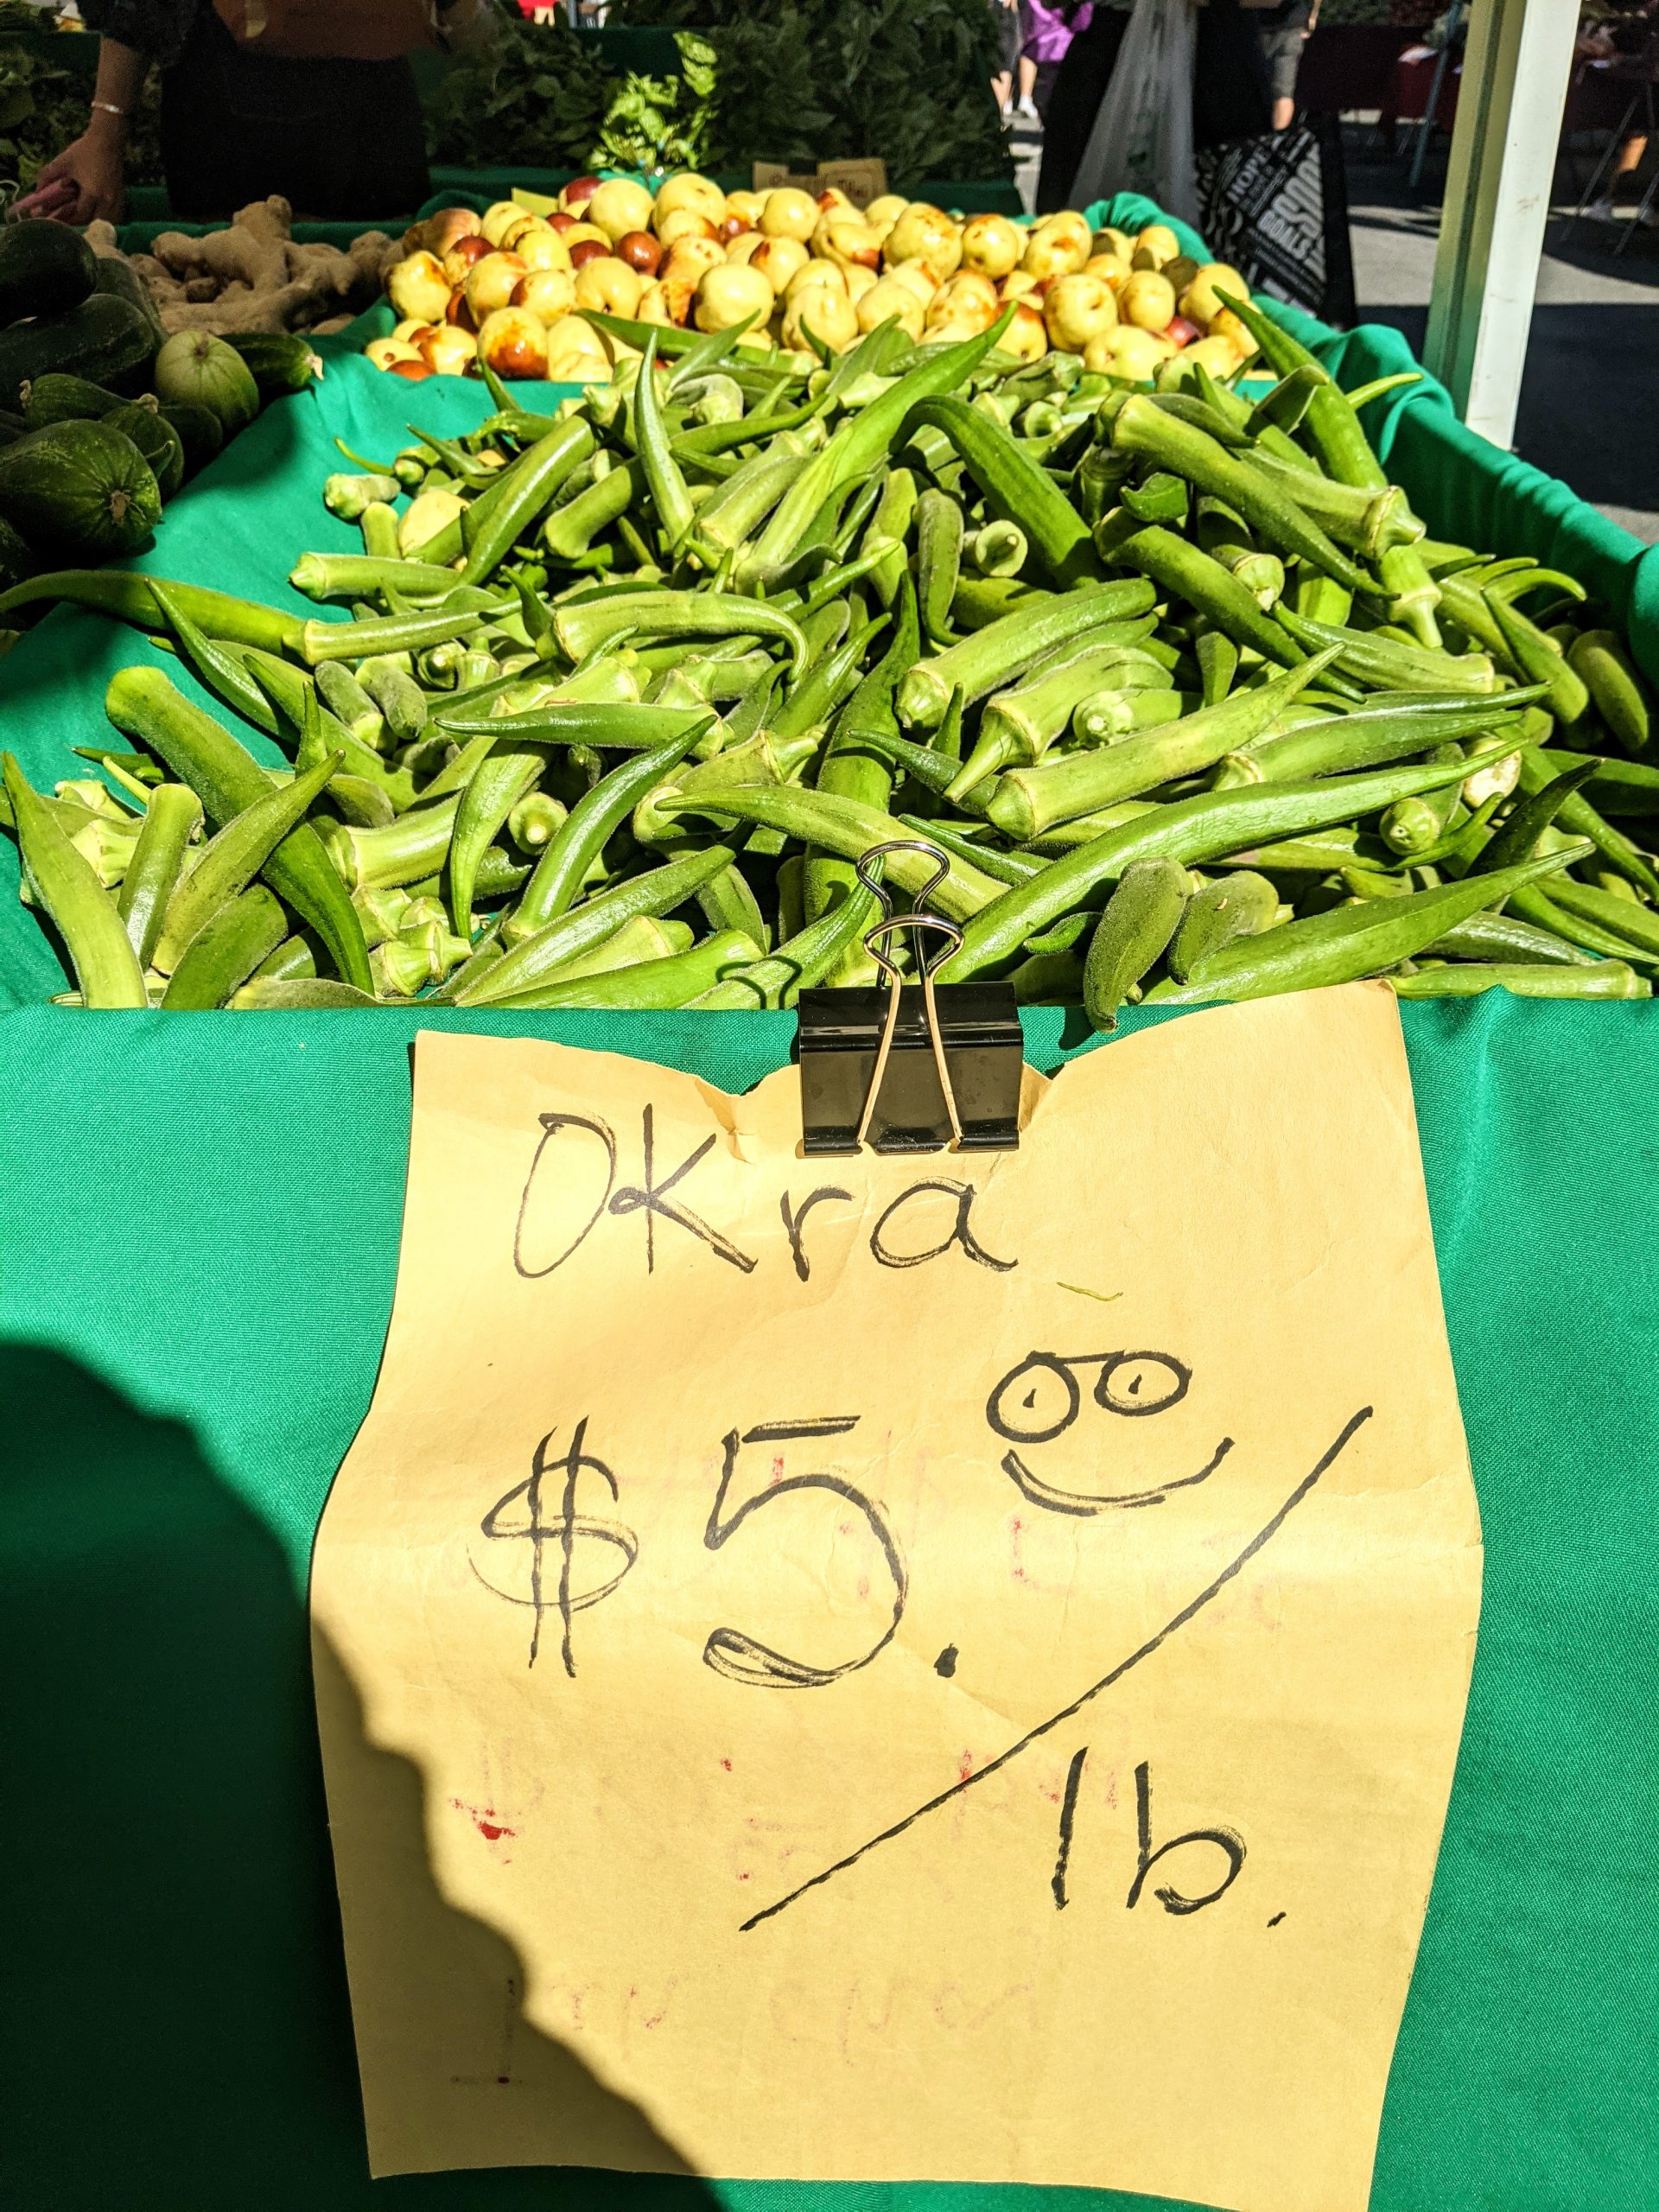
<point>567,1529</point>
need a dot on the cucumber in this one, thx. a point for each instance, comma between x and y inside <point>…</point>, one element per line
<point>200,433</point>
<point>158,442</point>
<point>79,492</point>
<point>281,361</point>
<point>17,561</point>
<point>45,269</point>
<point>119,280</point>
<point>106,341</point>
<point>57,397</point>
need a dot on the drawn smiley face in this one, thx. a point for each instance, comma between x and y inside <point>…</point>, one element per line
<point>1041,1398</point>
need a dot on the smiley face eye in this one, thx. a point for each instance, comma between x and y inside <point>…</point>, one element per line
<point>1135,1382</point>
<point>1035,1401</point>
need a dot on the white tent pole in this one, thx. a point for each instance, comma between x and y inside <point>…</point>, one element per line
<point>1514,87</point>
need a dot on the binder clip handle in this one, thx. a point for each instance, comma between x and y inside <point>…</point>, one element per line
<point>875,944</point>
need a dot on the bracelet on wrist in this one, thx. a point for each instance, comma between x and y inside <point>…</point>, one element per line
<point>109,107</point>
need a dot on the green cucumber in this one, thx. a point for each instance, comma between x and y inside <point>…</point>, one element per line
<point>157,441</point>
<point>79,491</point>
<point>60,397</point>
<point>45,268</point>
<point>121,280</point>
<point>106,341</point>
<point>281,361</point>
<point>200,433</point>
<point>17,561</point>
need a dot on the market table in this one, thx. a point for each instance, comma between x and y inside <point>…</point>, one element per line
<point>199,1226</point>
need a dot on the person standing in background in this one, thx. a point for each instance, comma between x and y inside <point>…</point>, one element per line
<point>333,135</point>
<point>1286,28</point>
<point>1009,38</point>
<point>1048,27</point>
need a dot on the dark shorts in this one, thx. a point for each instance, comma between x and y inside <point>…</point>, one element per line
<point>1281,49</point>
<point>1010,37</point>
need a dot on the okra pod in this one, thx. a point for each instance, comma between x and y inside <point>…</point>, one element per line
<point>107,972</point>
<point>991,656</point>
<point>228,950</point>
<point>533,959</point>
<point>171,820</point>
<point>1139,918</point>
<point>142,703</point>
<point>1028,800</point>
<point>1346,943</point>
<point>1598,979</point>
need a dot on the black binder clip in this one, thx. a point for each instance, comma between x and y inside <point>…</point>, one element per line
<point>917,1067</point>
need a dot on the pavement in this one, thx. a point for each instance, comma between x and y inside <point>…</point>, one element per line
<point>1587,412</point>
<point>1589,409</point>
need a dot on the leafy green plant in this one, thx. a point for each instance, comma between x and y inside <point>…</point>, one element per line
<point>43,102</point>
<point>905,79</point>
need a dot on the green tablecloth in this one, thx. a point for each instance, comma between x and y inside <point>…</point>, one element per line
<point>198,1234</point>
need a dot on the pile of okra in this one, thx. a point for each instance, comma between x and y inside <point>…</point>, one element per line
<point>612,701</point>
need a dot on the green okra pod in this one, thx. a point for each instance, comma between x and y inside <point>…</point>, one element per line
<point>1528,820</point>
<point>1185,571</point>
<point>1211,826</point>
<point>1616,691</point>
<point>1029,800</point>
<point>142,703</point>
<point>1132,935</point>
<point>582,625</point>
<point>510,773</point>
<point>232,860</point>
<point>359,576</point>
<point>1579,819</point>
<point>1154,433</point>
<point>1016,486</point>
<point>858,444</point>
<point>1240,905</point>
<point>1600,979</point>
<point>1346,943</point>
<point>373,638</point>
<point>992,656</point>
<point>515,499</point>
<point>129,599</point>
<point>670,983</point>
<point>938,563</point>
<point>889,528</point>
<point>228,950</point>
<point>1505,938</point>
<point>801,963</point>
<point>533,959</point>
<point>171,820</point>
<point>1385,664</point>
<point>843,827</point>
<point>107,971</point>
<point>1540,661</point>
<point>559,873</point>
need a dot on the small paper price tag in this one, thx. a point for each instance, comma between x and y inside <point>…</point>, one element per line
<point>884,1668</point>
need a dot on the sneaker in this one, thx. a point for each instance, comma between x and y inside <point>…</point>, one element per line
<point>1600,211</point>
<point>1026,112</point>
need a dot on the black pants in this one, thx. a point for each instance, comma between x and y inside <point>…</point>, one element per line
<point>336,139</point>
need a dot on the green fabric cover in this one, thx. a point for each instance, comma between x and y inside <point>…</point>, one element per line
<point>197,1235</point>
<point>200,1217</point>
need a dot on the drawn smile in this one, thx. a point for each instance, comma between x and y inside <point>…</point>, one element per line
<point>1083,1502</point>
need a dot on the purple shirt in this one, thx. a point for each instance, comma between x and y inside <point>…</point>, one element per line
<point>1050,26</point>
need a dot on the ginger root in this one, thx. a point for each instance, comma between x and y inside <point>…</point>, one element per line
<point>252,275</point>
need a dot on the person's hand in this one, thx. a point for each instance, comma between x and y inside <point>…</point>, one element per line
<point>93,166</point>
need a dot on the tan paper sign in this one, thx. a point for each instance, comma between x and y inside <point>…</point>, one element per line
<point>877,1667</point>
<point>862,179</point>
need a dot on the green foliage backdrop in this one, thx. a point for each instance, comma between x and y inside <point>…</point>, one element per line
<point>762,79</point>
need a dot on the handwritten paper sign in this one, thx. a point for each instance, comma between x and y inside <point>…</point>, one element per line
<point>890,1669</point>
<point>862,178</point>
